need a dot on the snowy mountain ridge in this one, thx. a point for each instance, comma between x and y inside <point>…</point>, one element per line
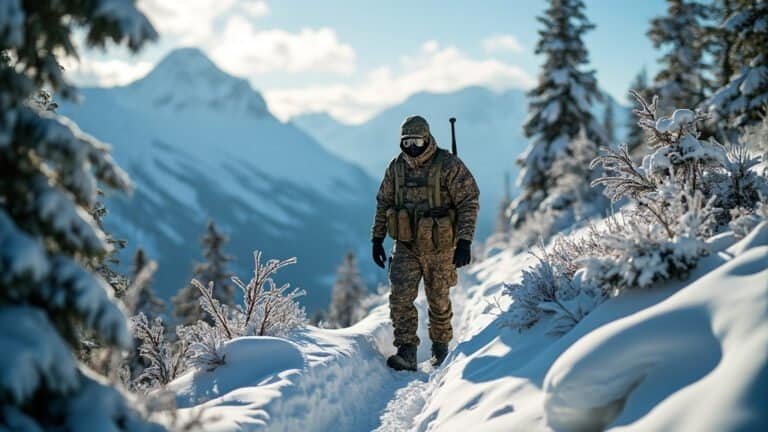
<point>202,144</point>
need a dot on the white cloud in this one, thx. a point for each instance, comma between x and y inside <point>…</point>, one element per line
<point>104,73</point>
<point>255,8</point>
<point>502,43</point>
<point>194,22</point>
<point>227,31</point>
<point>434,69</point>
<point>244,50</point>
<point>430,46</point>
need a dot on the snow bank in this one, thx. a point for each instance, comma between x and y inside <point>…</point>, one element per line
<point>324,379</point>
<point>657,359</point>
<point>651,370</point>
<point>250,361</point>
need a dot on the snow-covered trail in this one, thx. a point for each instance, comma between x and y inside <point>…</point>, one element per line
<point>411,397</point>
<point>324,379</point>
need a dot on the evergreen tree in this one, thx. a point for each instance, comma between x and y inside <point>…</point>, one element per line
<point>559,106</point>
<point>680,82</point>
<point>49,174</point>
<point>348,294</point>
<point>608,122</point>
<point>214,268</point>
<point>742,100</point>
<point>502,222</point>
<point>186,304</point>
<point>146,301</point>
<point>636,134</point>
<point>721,43</point>
<point>105,265</point>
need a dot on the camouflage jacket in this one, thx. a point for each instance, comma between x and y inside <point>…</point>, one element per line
<point>458,190</point>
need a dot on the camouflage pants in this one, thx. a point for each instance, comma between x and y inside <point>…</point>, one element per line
<point>406,270</point>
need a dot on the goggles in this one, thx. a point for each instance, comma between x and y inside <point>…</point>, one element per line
<point>417,142</point>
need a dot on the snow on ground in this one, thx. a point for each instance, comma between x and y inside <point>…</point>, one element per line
<point>324,379</point>
<point>684,355</point>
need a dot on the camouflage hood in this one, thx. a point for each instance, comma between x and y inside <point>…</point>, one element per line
<point>418,127</point>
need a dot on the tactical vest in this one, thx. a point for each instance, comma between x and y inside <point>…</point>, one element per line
<point>434,226</point>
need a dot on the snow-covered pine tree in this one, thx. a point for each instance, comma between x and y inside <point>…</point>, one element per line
<point>214,268</point>
<point>347,295</point>
<point>743,99</point>
<point>570,183</point>
<point>559,106</point>
<point>609,124</point>
<point>186,303</point>
<point>106,265</point>
<point>636,134</point>
<point>146,301</point>
<point>502,222</point>
<point>680,82</point>
<point>721,43</point>
<point>186,306</point>
<point>49,172</point>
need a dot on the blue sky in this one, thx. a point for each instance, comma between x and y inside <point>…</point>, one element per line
<point>355,58</point>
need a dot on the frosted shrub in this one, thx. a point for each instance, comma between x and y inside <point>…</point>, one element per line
<point>672,205</point>
<point>166,360</point>
<point>549,289</point>
<point>267,310</point>
<point>726,174</point>
<point>641,255</point>
<point>756,136</point>
<point>740,184</point>
<point>204,343</point>
<point>683,192</point>
<point>743,221</point>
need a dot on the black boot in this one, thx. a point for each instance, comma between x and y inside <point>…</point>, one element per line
<point>439,352</point>
<point>405,359</point>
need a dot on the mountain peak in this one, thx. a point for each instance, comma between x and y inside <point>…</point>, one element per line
<point>184,66</point>
<point>189,59</point>
<point>187,79</point>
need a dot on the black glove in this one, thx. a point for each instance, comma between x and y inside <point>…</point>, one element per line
<point>463,253</point>
<point>379,256</point>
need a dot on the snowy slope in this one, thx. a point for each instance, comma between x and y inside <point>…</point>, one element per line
<point>202,144</point>
<point>683,355</point>
<point>629,359</point>
<point>488,129</point>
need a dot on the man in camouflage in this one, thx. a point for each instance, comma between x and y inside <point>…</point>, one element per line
<point>428,202</point>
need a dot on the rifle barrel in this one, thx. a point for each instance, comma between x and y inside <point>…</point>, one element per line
<point>453,136</point>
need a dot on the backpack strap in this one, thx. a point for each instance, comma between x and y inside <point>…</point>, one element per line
<point>433,181</point>
<point>399,181</point>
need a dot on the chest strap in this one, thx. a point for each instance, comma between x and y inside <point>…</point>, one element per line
<point>432,183</point>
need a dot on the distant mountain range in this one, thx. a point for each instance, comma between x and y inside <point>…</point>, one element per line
<point>202,144</point>
<point>488,130</point>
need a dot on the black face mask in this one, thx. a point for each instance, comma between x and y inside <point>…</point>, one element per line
<point>414,151</point>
